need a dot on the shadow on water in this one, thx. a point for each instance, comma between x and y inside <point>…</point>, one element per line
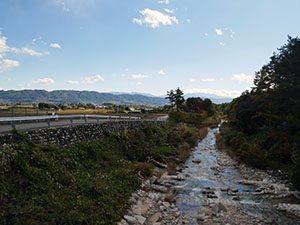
<point>207,175</point>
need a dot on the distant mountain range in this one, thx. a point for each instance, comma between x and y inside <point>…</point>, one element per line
<point>69,96</point>
<point>214,98</point>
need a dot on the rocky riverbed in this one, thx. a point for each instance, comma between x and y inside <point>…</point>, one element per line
<point>212,188</point>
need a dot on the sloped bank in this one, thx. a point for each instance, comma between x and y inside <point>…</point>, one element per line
<point>85,183</point>
<point>155,202</point>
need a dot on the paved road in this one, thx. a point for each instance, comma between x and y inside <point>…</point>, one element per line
<point>39,122</point>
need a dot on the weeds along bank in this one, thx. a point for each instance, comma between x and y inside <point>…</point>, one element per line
<point>85,183</point>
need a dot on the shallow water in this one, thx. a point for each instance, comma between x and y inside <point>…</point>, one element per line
<point>206,176</point>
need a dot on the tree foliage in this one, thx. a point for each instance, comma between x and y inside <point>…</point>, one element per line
<point>199,105</point>
<point>268,117</point>
<point>176,98</point>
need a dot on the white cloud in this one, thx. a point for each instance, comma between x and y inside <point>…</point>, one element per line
<point>138,76</point>
<point>242,78</point>
<point>206,34</point>
<point>55,45</point>
<point>92,79</point>
<point>161,72</point>
<point>73,82</point>
<point>225,31</point>
<point>44,81</point>
<point>219,31</point>
<point>87,80</point>
<point>219,92</point>
<point>25,51</point>
<point>232,33</point>
<point>38,39</point>
<point>170,11</point>
<point>155,18</point>
<point>64,7</point>
<point>192,80</point>
<point>164,2</point>
<point>188,20</point>
<point>3,45</point>
<point>7,64</point>
<point>28,51</point>
<point>221,43</point>
<point>208,79</point>
<point>137,21</point>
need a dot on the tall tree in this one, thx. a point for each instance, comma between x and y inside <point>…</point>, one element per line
<point>171,97</point>
<point>283,70</point>
<point>176,98</point>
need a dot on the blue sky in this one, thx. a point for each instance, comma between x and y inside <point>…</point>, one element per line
<point>147,46</point>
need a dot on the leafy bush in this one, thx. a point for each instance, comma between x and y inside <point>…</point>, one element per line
<point>194,119</point>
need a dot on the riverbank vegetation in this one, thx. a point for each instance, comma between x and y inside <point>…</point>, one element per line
<point>91,182</point>
<point>264,124</point>
<point>86,183</point>
<point>193,111</point>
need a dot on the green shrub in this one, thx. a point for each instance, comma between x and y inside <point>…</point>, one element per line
<point>86,183</point>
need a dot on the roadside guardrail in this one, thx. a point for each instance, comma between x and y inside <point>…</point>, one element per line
<point>37,122</point>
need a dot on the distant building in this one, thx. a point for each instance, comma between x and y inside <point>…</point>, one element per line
<point>101,107</point>
<point>133,110</point>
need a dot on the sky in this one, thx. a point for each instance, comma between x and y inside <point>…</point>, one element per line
<point>147,46</point>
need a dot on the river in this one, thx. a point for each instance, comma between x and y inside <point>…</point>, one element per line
<point>218,190</point>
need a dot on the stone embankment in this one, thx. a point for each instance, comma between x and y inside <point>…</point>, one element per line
<point>155,202</point>
<point>213,189</point>
<point>74,134</point>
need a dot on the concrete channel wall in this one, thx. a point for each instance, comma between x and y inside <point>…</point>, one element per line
<point>74,134</point>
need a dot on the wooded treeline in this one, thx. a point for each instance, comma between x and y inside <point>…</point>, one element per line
<point>264,124</point>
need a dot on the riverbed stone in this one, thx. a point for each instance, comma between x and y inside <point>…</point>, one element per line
<point>140,219</point>
<point>131,220</point>
<point>136,210</point>
<point>159,188</point>
<point>166,204</point>
<point>221,204</point>
<point>197,161</point>
<point>153,219</point>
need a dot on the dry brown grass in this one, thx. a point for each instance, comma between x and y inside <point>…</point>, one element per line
<point>171,197</point>
<point>222,146</point>
<point>84,111</point>
<point>172,170</point>
<point>143,168</point>
<point>211,122</point>
<point>184,152</point>
<point>202,132</point>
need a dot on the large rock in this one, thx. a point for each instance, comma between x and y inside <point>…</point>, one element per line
<point>136,210</point>
<point>159,188</point>
<point>140,219</point>
<point>153,219</point>
<point>131,220</point>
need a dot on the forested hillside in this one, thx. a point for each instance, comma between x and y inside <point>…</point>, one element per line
<point>264,124</point>
<point>68,96</point>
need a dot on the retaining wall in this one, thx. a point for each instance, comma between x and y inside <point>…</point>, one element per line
<point>74,134</point>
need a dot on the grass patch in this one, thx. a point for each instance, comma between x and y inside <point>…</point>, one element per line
<point>86,183</point>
